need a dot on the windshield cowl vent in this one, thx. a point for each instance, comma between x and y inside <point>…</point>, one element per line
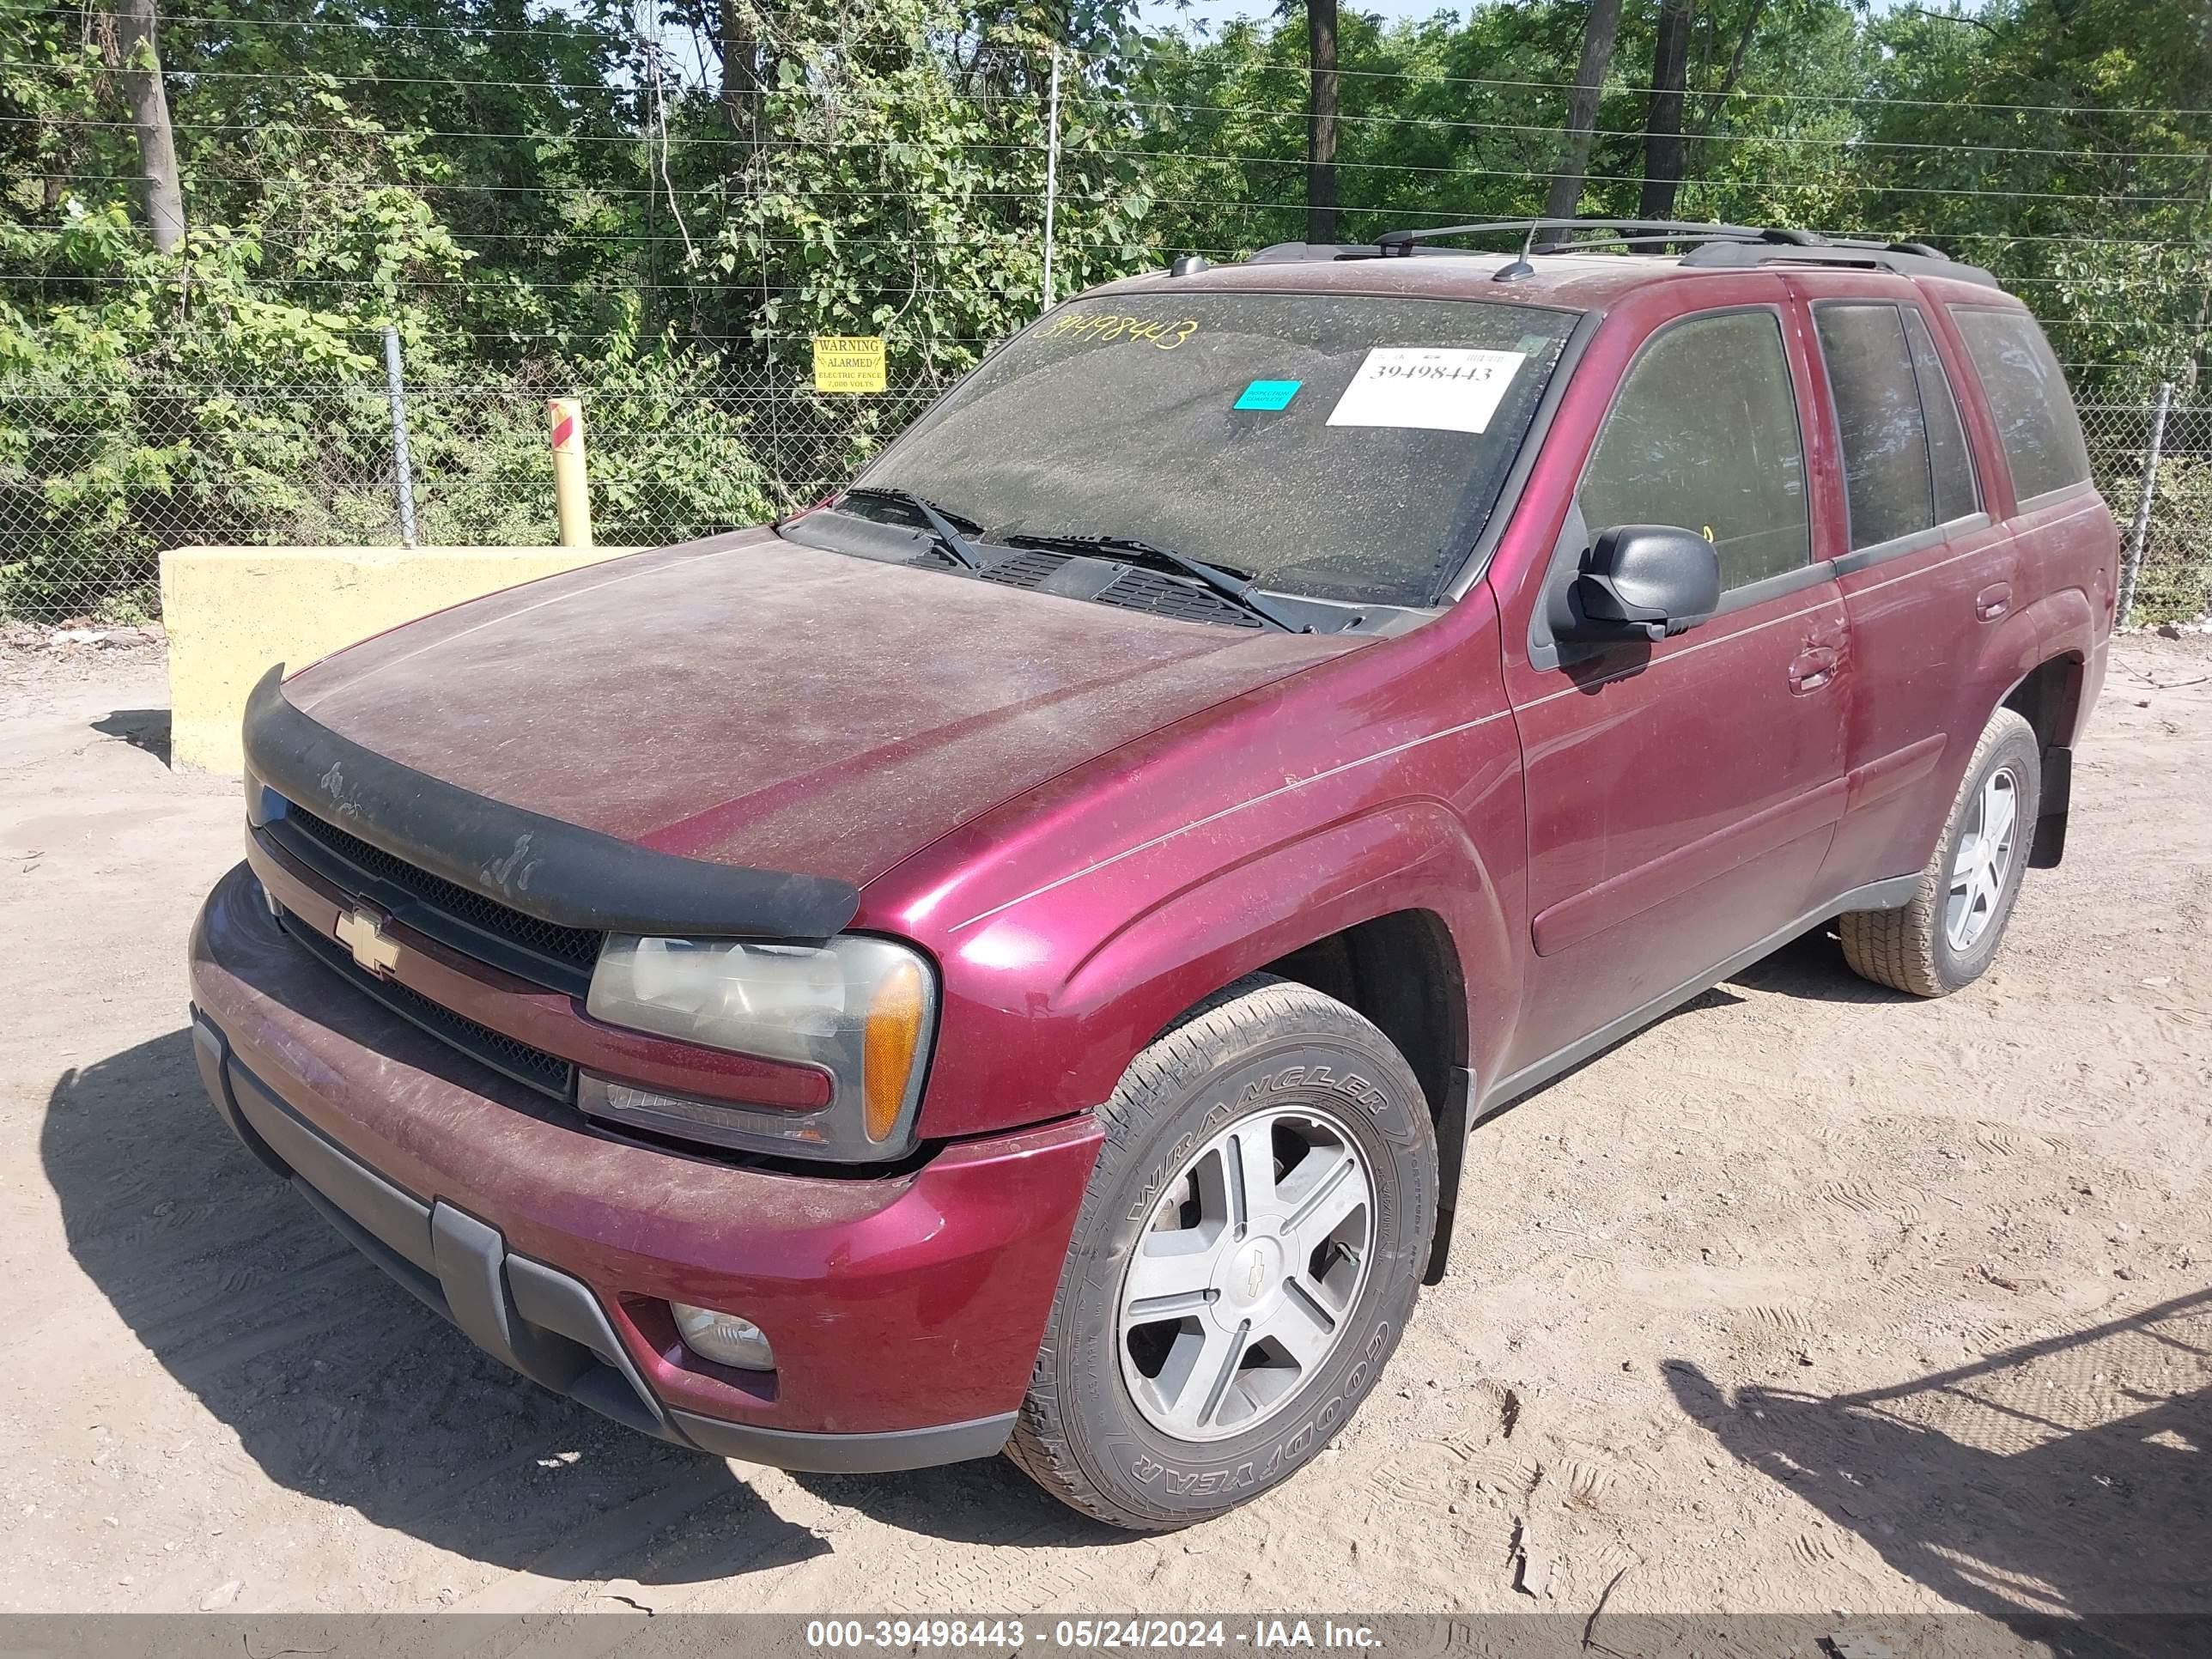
<point>1131,588</point>
<point>1169,596</point>
<point>1026,569</point>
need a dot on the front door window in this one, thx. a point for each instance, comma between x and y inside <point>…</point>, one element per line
<point>1704,434</point>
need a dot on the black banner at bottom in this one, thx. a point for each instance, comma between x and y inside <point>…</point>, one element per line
<point>986,1635</point>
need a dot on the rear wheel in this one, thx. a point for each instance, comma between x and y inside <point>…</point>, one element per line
<point>1947,936</point>
<point>1247,1255</point>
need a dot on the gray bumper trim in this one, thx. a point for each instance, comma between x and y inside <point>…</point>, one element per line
<point>533,1317</point>
<point>848,1454</point>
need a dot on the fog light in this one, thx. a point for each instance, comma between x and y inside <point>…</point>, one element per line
<point>724,1337</point>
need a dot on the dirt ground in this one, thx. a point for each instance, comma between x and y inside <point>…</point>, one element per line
<point>1811,1298</point>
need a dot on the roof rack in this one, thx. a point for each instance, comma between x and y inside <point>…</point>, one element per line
<point>1397,243</point>
<point>1705,245</point>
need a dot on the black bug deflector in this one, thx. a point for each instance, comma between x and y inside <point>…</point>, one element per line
<point>559,873</point>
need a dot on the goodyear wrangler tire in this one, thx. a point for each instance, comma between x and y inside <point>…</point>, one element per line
<point>1249,1250</point>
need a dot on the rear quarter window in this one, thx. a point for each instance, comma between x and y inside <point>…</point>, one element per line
<point>2027,396</point>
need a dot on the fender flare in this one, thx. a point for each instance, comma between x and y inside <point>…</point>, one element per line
<point>2058,627</point>
<point>1408,855</point>
<point>2058,624</point>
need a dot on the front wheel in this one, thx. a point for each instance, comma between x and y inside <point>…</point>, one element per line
<point>1249,1250</point>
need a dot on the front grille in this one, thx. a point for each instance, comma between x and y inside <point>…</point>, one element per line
<point>1166,596</point>
<point>548,1075</point>
<point>558,957</point>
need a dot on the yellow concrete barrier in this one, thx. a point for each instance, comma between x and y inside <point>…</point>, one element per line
<point>231,611</point>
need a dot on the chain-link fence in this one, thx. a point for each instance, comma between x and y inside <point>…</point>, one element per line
<point>2153,463</point>
<point>679,446</point>
<point>311,461</point>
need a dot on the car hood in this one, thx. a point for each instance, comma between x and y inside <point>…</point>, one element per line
<point>749,701</point>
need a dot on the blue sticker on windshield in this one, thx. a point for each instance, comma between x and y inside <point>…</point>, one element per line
<point>1268,394</point>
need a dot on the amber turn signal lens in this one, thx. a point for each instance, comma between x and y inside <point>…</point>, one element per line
<point>892,1046</point>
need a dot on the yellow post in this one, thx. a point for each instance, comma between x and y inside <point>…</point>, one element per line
<point>570,490</point>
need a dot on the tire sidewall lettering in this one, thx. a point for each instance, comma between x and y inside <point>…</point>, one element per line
<point>1375,1104</point>
<point>1317,1428</point>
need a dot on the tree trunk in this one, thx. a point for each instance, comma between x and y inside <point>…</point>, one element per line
<point>1663,125</point>
<point>741,87</point>
<point>1567,193</point>
<point>1320,121</point>
<point>140,64</point>
<point>1718,96</point>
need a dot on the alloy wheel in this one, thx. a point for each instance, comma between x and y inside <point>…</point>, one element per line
<point>1983,861</point>
<point>1245,1281</point>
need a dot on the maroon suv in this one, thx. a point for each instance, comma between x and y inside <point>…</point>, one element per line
<point>1010,957</point>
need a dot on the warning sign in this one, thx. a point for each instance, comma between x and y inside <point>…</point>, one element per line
<point>848,362</point>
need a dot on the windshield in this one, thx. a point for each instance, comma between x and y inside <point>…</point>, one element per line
<point>1344,446</point>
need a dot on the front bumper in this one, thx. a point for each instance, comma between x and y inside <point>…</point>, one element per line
<point>905,1310</point>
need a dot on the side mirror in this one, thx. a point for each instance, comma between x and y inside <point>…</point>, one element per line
<point>1644,581</point>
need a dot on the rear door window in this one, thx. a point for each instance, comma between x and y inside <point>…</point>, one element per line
<point>1702,435</point>
<point>2036,423</point>
<point>1950,462</point>
<point>1878,420</point>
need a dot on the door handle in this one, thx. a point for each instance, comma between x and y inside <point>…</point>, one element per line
<point>1993,601</point>
<point>1813,668</point>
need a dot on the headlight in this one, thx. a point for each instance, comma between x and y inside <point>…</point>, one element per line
<point>861,1009</point>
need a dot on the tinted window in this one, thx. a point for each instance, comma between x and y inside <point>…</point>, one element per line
<point>1878,420</point>
<point>1343,446</point>
<point>2027,395</point>
<point>1950,462</point>
<point>1703,433</point>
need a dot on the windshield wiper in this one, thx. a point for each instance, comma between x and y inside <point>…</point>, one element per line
<point>1233,586</point>
<point>941,527</point>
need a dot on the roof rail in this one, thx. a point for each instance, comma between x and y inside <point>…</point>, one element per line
<point>1706,245</point>
<point>1401,242</point>
<point>1904,259</point>
<point>1278,253</point>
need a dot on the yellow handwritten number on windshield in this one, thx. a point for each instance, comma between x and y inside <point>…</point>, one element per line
<point>1098,325</point>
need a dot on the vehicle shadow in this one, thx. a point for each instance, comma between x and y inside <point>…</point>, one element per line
<point>340,1385</point>
<point>988,1501</point>
<point>1811,967</point>
<point>2065,1478</point>
<point>141,728</point>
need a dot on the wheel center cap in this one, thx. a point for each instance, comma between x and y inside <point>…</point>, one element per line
<point>1249,1274</point>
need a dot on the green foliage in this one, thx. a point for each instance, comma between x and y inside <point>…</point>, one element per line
<point>187,403</point>
<point>2058,144</point>
<point>545,203</point>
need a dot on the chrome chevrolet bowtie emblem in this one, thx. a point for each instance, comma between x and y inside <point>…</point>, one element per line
<point>1256,1278</point>
<point>362,933</point>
